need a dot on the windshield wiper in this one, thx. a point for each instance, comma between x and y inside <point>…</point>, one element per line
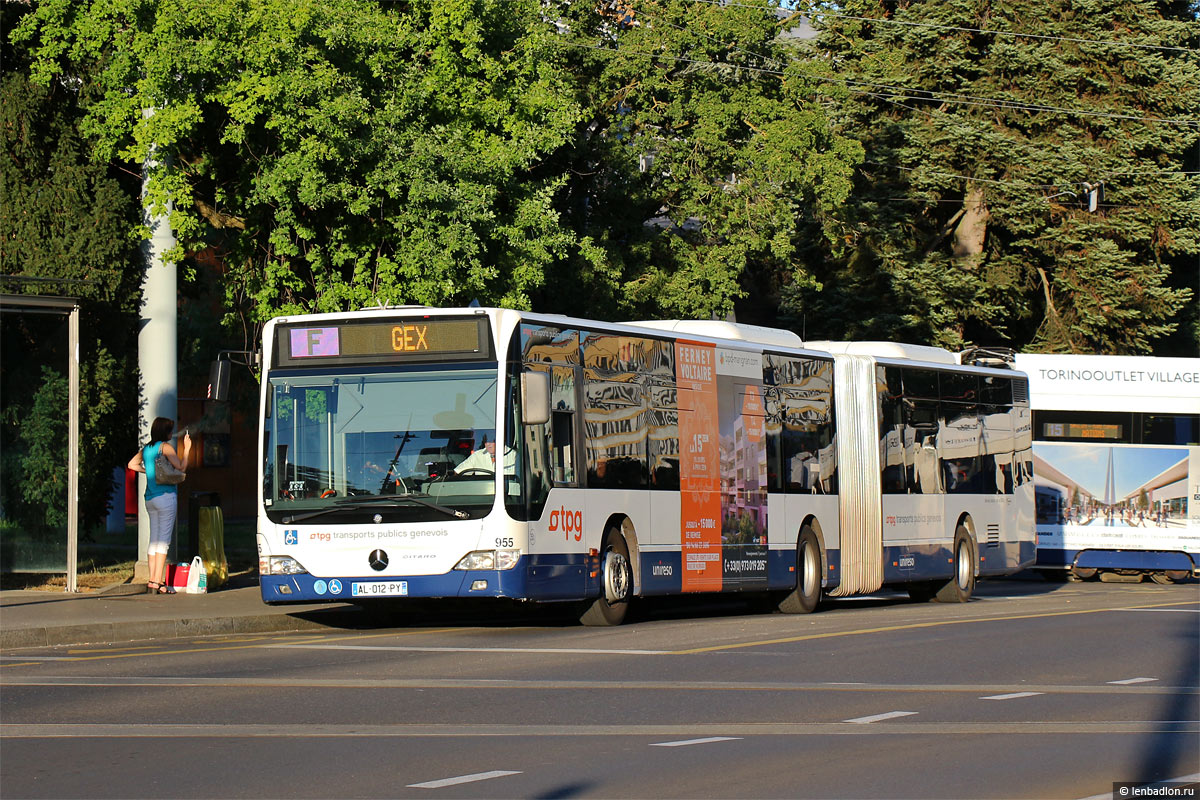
<point>390,501</point>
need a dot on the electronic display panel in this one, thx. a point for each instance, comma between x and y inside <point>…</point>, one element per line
<point>390,341</point>
<point>1082,430</point>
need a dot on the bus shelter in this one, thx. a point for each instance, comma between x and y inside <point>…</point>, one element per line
<point>69,308</point>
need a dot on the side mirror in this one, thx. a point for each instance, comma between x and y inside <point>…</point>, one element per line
<point>218,379</point>
<point>535,398</point>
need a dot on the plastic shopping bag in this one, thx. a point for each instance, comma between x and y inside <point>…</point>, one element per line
<point>212,546</point>
<point>197,580</point>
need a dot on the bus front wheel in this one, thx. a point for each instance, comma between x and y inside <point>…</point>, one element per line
<point>807,594</point>
<point>962,585</point>
<point>616,584</point>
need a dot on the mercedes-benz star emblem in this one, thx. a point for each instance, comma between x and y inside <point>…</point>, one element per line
<point>377,560</point>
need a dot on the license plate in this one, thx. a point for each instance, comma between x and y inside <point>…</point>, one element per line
<point>379,589</point>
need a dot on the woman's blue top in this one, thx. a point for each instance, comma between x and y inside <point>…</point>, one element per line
<point>153,487</point>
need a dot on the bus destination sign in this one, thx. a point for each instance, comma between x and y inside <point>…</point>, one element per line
<point>1081,430</point>
<point>374,342</point>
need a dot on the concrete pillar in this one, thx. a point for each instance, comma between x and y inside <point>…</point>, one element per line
<point>157,351</point>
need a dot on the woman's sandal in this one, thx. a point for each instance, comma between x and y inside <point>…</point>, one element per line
<point>153,587</point>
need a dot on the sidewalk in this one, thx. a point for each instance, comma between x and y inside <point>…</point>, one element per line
<point>42,619</point>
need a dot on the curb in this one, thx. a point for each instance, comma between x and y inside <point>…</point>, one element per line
<point>111,632</point>
<point>48,636</point>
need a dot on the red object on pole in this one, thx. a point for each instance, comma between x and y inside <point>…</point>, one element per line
<point>131,487</point>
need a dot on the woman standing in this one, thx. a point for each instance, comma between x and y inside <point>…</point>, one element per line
<point>162,501</point>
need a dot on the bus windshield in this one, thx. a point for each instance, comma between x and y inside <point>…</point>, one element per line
<point>409,445</point>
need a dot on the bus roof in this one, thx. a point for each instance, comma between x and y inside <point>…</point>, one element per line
<point>897,350</point>
<point>1112,383</point>
<point>719,329</point>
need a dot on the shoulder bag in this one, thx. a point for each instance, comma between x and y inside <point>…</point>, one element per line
<point>165,472</point>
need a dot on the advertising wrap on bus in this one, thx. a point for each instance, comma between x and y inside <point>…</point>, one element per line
<point>1116,463</point>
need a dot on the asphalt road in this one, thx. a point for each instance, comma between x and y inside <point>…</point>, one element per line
<point>1032,690</point>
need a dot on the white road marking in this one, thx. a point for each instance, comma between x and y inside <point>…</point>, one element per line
<point>687,742</point>
<point>576,651</point>
<point>1128,681</point>
<point>478,776</point>
<point>1012,696</point>
<point>881,717</point>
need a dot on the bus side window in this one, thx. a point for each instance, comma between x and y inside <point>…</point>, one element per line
<point>562,426</point>
<point>664,439</point>
<point>921,447</point>
<point>891,429</point>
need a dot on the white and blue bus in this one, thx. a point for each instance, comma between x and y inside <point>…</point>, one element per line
<point>1117,465</point>
<point>439,453</point>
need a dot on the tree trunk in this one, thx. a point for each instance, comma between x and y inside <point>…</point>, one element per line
<point>972,227</point>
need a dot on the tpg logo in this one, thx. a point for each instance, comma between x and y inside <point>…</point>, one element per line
<point>568,522</point>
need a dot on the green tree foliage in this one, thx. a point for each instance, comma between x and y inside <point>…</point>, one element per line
<point>969,220</point>
<point>704,146</point>
<point>336,152</point>
<point>65,225</point>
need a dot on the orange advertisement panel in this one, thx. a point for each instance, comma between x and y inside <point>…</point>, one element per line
<point>699,467</point>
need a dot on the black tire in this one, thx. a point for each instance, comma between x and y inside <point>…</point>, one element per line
<point>961,585</point>
<point>805,598</point>
<point>616,584</point>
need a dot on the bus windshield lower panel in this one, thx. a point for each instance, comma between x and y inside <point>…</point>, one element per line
<point>396,446</point>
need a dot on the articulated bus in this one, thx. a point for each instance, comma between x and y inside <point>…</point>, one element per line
<point>446,453</point>
<point>1117,464</point>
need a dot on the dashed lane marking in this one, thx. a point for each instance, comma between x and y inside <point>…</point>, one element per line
<point>706,740</point>
<point>1131,681</point>
<point>881,717</point>
<point>461,779</point>
<point>1011,696</point>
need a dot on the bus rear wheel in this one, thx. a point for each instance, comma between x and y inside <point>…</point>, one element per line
<point>960,587</point>
<point>616,576</point>
<point>805,598</point>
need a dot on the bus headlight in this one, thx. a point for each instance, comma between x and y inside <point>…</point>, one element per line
<point>489,559</point>
<point>280,565</point>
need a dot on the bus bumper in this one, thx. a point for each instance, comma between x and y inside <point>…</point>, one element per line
<point>555,578</point>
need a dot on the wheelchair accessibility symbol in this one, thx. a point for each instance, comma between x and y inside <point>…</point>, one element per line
<point>335,586</point>
<point>290,537</point>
